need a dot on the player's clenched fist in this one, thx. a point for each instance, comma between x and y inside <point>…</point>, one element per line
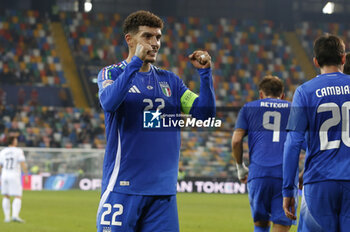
<point>142,49</point>
<point>200,59</point>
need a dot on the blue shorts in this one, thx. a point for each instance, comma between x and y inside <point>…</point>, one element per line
<point>325,207</point>
<point>266,201</point>
<point>124,212</point>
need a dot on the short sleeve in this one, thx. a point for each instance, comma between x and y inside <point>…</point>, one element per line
<point>21,157</point>
<point>298,115</point>
<point>241,122</point>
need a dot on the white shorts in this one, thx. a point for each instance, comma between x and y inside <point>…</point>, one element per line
<point>11,186</point>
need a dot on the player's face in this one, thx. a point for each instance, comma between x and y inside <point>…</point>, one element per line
<point>151,36</point>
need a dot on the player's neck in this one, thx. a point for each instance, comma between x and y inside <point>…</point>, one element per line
<point>272,97</point>
<point>330,69</point>
<point>145,67</point>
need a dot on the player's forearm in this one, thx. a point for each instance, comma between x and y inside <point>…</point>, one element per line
<point>291,153</point>
<point>204,106</point>
<point>113,95</point>
<point>24,168</point>
<point>237,150</point>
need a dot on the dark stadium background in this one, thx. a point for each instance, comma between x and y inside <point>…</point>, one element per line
<point>51,52</point>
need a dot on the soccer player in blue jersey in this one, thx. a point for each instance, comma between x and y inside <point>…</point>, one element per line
<point>321,107</point>
<point>141,164</point>
<point>264,121</point>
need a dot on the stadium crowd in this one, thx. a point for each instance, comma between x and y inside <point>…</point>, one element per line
<point>52,127</point>
<point>243,51</point>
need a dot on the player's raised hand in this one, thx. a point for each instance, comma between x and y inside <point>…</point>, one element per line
<point>289,207</point>
<point>200,59</point>
<point>142,49</point>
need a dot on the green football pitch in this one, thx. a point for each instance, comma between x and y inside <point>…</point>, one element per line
<point>75,211</point>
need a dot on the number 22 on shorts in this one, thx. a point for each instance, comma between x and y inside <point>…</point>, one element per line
<point>114,222</point>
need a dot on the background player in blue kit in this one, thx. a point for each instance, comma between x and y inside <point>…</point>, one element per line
<point>321,108</point>
<point>141,164</point>
<point>264,121</point>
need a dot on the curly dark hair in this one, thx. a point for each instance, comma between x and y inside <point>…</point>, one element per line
<point>271,86</point>
<point>347,64</point>
<point>141,18</point>
<point>328,50</point>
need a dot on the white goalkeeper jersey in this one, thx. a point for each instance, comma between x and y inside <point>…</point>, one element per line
<point>10,159</point>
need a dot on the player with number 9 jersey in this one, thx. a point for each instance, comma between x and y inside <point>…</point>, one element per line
<point>321,107</point>
<point>264,121</point>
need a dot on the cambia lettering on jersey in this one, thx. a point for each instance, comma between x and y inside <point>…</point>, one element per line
<point>333,90</point>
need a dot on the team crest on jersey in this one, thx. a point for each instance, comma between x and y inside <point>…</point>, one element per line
<point>165,88</point>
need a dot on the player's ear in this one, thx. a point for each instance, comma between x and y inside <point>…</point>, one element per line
<point>129,40</point>
<point>261,94</point>
<point>343,59</point>
<point>316,63</point>
<point>282,96</point>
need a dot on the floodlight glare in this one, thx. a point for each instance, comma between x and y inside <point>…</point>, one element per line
<point>328,8</point>
<point>87,6</point>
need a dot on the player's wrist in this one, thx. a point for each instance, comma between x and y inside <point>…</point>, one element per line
<point>242,170</point>
<point>204,70</point>
<point>137,59</point>
<point>288,193</point>
<point>204,73</point>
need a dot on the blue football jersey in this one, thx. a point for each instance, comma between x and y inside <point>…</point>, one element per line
<point>321,108</point>
<point>141,160</point>
<point>265,122</point>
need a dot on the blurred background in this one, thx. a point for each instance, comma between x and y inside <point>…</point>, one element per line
<point>51,53</point>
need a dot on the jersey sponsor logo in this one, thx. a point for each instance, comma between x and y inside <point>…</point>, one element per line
<point>134,89</point>
<point>107,83</point>
<point>165,88</point>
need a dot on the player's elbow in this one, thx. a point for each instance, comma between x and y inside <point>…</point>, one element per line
<point>237,138</point>
<point>236,142</point>
<point>107,103</point>
<point>108,107</point>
